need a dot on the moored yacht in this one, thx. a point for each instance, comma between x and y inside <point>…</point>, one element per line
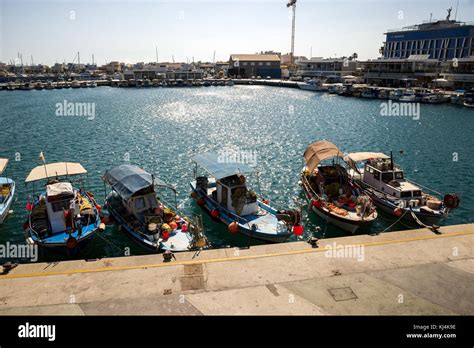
<point>469,98</point>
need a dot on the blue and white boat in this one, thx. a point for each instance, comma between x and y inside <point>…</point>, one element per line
<point>146,218</point>
<point>62,216</point>
<point>223,193</point>
<point>7,191</point>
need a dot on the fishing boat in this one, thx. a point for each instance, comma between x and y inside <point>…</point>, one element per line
<point>7,191</point>
<point>469,98</point>
<point>61,217</point>
<point>408,96</point>
<point>330,193</point>
<point>385,183</point>
<point>147,218</point>
<point>75,84</point>
<point>222,192</point>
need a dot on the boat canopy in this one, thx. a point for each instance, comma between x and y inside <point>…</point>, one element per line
<point>320,151</point>
<point>55,169</point>
<point>218,168</point>
<point>128,179</point>
<point>3,164</point>
<point>363,156</point>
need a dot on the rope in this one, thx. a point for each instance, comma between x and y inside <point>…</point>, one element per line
<point>401,217</point>
<point>110,242</point>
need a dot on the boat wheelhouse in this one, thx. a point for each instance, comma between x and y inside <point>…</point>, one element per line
<point>150,221</point>
<point>385,183</point>
<point>7,191</point>
<point>61,216</point>
<point>330,193</point>
<point>223,193</point>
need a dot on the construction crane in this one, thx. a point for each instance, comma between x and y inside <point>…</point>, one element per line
<point>292,4</point>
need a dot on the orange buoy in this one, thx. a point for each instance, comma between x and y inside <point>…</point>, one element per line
<point>233,227</point>
<point>98,207</point>
<point>177,218</point>
<point>398,212</point>
<point>215,213</point>
<point>298,230</point>
<point>173,225</point>
<point>201,202</point>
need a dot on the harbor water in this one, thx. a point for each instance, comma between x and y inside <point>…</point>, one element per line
<point>161,129</point>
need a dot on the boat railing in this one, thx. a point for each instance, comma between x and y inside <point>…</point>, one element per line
<point>426,188</point>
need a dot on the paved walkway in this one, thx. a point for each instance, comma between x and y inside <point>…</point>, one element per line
<point>406,272</point>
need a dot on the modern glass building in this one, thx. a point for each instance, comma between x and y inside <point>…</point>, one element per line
<point>441,40</point>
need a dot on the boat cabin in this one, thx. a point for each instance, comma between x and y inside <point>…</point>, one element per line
<point>388,178</point>
<point>232,194</point>
<point>60,206</point>
<point>142,203</point>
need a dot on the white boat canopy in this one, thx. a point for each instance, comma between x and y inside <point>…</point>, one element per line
<point>221,167</point>
<point>52,170</point>
<point>320,151</point>
<point>3,164</point>
<point>363,156</point>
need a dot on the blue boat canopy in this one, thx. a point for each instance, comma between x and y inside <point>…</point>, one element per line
<point>218,167</point>
<point>128,179</point>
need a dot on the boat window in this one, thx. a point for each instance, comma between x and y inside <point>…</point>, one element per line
<point>59,206</point>
<point>151,201</point>
<point>376,175</point>
<point>139,203</point>
<point>386,177</point>
<point>405,194</point>
<point>417,193</point>
<point>398,175</point>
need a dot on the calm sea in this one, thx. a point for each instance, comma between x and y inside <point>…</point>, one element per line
<point>160,129</point>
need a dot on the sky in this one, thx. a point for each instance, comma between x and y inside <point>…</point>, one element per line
<point>130,30</point>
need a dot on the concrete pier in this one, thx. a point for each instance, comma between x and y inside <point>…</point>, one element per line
<point>405,272</point>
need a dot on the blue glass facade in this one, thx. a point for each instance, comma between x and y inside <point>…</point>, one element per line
<point>444,41</point>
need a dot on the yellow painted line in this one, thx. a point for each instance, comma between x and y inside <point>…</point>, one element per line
<point>236,258</point>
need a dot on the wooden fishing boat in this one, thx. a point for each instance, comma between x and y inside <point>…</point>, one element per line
<point>62,216</point>
<point>146,218</point>
<point>7,191</point>
<point>385,183</point>
<point>224,195</point>
<point>330,193</point>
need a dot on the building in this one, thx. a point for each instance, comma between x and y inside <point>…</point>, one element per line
<point>326,68</point>
<point>419,54</point>
<point>442,40</point>
<point>248,65</point>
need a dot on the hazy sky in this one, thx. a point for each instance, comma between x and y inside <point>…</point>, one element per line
<point>128,31</point>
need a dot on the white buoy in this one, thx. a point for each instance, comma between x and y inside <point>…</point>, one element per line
<point>102,226</point>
